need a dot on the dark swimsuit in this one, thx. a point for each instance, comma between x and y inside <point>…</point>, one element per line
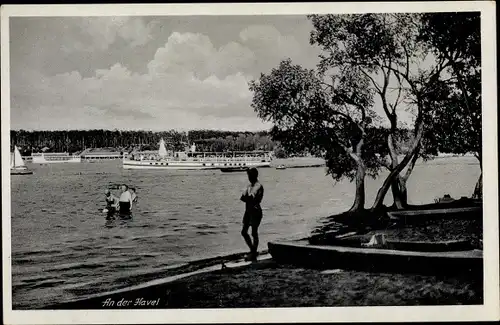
<point>252,216</point>
<point>253,211</point>
<point>109,202</point>
<point>109,205</point>
<point>124,207</point>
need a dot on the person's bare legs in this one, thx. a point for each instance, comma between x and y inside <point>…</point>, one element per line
<point>248,240</point>
<point>255,236</point>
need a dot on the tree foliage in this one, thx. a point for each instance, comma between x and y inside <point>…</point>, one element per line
<point>74,141</point>
<point>328,117</point>
<point>382,48</point>
<point>388,59</point>
<point>456,39</point>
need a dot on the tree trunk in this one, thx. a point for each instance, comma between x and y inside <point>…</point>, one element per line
<point>403,192</point>
<point>395,186</point>
<point>359,199</point>
<point>478,190</point>
<point>401,200</point>
<point>397,193</point>
<point>394,174</point>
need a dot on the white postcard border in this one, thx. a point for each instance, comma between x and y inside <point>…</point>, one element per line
<point>489,311</point>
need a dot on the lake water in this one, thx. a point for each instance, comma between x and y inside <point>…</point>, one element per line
<point>63,248</point>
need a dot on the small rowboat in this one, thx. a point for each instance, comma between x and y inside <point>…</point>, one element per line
<point>440,212</point>
<point>233,169</point>
<point>444,213</point>
<point>426,261</point>
<point>20,172</point>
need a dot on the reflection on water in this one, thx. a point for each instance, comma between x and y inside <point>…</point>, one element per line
<point>119,220</point>
<point>64,248</point>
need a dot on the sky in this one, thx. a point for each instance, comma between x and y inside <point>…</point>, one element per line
<point>151,73</point>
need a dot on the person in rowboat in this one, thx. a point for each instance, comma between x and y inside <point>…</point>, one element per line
<point>125,201</point>
<point>252,196</point>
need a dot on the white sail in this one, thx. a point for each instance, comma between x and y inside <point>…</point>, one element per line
<point>162,151</point>
<point>11,160</point>
<point>18,160</point>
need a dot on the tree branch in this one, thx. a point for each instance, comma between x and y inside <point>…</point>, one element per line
<point>396,102</point>
<point>377,88</point>
<point>383,94</point>
<point>350,101</point>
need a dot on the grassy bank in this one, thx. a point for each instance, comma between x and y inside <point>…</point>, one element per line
<point>366,219</point>
<point>267,284</point>
<point>428,231</point>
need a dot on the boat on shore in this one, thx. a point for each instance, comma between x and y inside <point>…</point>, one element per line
<point>410,216</point>
<point>280,167</point>
<point>17,165</point>
<point>426,261</point>
<point>193,160</point>
<point>55,158</point>
<point>233,170</point>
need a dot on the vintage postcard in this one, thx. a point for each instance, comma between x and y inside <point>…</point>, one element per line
<point>246,163</point>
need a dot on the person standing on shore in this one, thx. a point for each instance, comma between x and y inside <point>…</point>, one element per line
<point>252,196</point>
<point>125,201</point>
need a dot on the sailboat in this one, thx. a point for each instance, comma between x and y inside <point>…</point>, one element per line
<point>17,166</point>
<point>162,152</point>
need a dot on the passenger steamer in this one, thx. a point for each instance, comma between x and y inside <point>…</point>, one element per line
<point>193,160</point>
<point>56,157</point>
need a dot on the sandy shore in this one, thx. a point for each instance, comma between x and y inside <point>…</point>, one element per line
<point>267,284</point>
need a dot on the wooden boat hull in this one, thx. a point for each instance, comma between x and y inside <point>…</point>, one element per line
<point>410,216</point>
<point>377,260</point>
<point>233,170</point>
<point>21,172</point>
<point>400,245</point>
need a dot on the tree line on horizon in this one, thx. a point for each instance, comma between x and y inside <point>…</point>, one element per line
<point>76,141</point>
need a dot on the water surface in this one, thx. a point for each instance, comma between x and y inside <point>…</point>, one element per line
<point>63,248</point>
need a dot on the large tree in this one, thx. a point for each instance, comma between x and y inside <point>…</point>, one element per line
<point>387,51</point>
<point>327,116</point>
<point>456,39</point>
